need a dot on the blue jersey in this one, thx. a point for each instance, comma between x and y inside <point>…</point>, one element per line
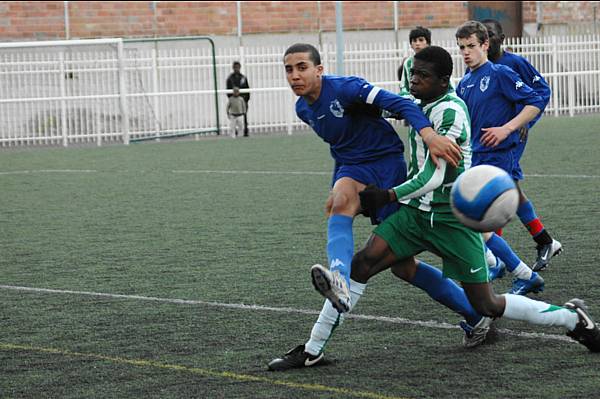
<point>347,115</point>
<point>530,76</point>
<point>492,93</point>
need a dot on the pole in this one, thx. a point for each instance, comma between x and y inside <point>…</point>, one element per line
<point>339,35</point>
<point>67,23</point>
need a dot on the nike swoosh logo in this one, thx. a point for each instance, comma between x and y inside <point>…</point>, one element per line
<point>316,360</point>
<point>321,117</point>
<point>476,270</point>
<point>469,86</point>
<point>589,324</point>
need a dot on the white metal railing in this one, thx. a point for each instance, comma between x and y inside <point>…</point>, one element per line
<point>95,91</point>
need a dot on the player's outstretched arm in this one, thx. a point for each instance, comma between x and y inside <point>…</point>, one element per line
<point>441,147</point>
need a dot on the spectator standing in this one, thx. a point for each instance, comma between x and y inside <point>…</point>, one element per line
<point>236,112</point>
<point>237,79</point>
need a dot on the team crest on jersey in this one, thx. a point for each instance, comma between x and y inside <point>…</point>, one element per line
<point>484,83</point>
<point>336,109</point>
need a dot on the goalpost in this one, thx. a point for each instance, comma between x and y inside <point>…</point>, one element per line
<point>173,87</point>
<point>107,90</point>
<point>62,92</point>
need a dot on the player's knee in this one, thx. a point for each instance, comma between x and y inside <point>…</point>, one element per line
<point>343,203</point>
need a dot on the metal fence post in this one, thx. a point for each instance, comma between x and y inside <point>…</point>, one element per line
<point>63,101</point>
<point>555,76</point>
<point>123,93</point>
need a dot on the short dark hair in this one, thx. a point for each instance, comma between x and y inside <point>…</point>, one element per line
<point>494,22</point>
<point>313,53</point>
<point>440,58</point>
<point>472,27</point>
<point>420,31</point>
<point>236,63</point>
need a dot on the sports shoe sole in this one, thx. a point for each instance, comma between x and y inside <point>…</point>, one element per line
<point>556,253</point>
<point>322,284</point>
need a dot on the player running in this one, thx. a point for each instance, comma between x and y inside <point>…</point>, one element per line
<point>547,247</point>
<point>492,94</point>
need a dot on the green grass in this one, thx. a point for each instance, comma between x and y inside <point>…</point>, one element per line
<point>150,220</point>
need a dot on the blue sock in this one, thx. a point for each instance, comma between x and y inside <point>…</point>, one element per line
<point>526,212</point>
<point>501,249</point>
<point>445,291</point>
<point>340,244</point>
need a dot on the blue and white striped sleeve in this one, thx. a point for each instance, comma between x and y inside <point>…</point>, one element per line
<point>395,104</point>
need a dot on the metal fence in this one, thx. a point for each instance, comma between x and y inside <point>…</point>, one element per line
<point>111,90</point>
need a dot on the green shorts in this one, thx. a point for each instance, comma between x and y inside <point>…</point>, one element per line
<point>410,231</point>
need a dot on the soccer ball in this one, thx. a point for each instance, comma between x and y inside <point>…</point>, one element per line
<point>484,198</point>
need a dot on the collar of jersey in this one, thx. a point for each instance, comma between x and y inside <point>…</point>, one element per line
<point>437,100</point>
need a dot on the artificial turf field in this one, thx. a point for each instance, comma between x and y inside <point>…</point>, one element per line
<point>179,269</point>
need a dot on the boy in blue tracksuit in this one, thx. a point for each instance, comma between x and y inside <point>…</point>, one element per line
<point>547,247</point>
<point>500,104</point>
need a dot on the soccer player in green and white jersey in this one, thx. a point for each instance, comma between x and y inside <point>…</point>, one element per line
<point>419,38</point>
<point>426,222</point>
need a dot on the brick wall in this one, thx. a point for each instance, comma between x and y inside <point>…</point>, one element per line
<point>561,12</point>
<point>44,20</point>
<point>31,20</point>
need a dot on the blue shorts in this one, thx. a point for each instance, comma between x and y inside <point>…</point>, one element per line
<point>504,159</point>
<point>517,154</point>
<point>385,173</point>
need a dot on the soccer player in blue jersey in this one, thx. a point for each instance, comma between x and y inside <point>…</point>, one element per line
<point>345,112</point>
<point>499,103</point>
<point>547,247</point>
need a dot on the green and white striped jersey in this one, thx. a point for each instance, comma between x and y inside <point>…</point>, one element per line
<point>405,82</point>
<point>428,188</point>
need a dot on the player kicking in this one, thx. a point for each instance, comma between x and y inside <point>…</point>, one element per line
<point>547,247</point>
<point>426,221</point>
<point>345,112</point>
<point>492,94</point>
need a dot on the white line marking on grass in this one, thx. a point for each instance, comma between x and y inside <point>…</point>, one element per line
<point>241,306</point>
<point>284,172</point>
<point>253,172</point>
<point>24,172</point>
<point>566,176</point>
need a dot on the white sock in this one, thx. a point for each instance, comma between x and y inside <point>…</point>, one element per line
<point>490,257</point>
<point>522,271</point>
<point>520,307</point>
<point>329,319</point>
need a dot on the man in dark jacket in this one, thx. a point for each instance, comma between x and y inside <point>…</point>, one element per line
<point>236,79</point>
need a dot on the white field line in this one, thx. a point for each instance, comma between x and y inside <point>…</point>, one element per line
<point>273,172</point>
<point>24,172</point>
<point>240,306</point>
<point>256,172</point>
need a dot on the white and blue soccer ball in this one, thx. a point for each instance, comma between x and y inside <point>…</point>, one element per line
<point>484,198</point>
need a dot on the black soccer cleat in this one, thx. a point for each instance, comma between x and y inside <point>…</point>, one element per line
<point>586,332</point>
<point>295,359</point>
<point>545,253</point>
